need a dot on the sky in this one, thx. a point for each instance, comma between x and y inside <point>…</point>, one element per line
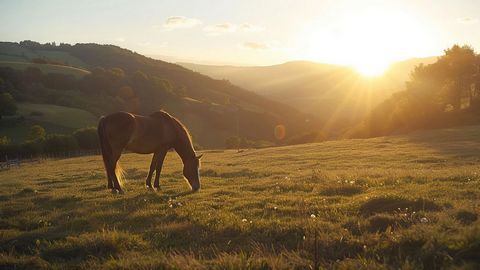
<point>365,34</point>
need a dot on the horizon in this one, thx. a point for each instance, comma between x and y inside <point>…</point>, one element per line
<point>368,36</point>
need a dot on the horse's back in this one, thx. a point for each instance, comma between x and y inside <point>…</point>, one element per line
<point>118,127</point>
<point>138,133</point>
<point>152,133</point>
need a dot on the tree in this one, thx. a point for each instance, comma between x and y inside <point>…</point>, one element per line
<point>87,138</point>
<point>7,105</point>
<point>4,140</point>
<point>232,142</point>
<point>37,132</point>
<point>56,143</point>
<point>458,68</point>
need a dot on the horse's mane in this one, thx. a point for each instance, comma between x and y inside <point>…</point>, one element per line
<point>177,125</point>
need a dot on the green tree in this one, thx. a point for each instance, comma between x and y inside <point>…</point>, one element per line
<point>232,142</point>
<point>87,138</point>
<point>37,132</point>
<point>7,105</point>
<point>57,143</point>
<point>4,140</point>
<point>458,68</point>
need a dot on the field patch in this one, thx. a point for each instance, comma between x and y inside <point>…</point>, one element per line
<point>54,118</point>
<point>45,68</point>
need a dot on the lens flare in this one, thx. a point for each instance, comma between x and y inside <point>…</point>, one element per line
<point>280,131</point>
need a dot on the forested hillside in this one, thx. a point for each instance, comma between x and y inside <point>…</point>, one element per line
<point>119,79</point>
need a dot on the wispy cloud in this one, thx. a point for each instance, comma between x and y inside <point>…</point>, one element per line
<point>227,27</point>
<point>119,39</point>
<point>178,22</point>
<point>255,45</point>
<point>217,29</point>
<point>246,27</point>
<point>467,20</point>
<point>144,44</point>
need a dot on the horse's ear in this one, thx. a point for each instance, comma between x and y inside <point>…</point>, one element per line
<point>199,157</point>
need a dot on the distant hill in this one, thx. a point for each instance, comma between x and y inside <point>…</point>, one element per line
<point>214,110</point>
<point>338,95</point>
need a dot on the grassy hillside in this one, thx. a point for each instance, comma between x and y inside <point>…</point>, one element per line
<point>55,119</point>
<point>407,202</point>
<point>332,93</point>
<point>47,68</point>
<point>13,52</point>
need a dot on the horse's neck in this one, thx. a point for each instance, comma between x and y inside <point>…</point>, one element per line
<point>184,149</point>
<point>183,145</point>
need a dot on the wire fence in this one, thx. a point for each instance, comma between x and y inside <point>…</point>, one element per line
<point>17,160</point>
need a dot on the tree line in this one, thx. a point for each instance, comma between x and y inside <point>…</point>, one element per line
<point>39,143</point>
<point>442,94</point>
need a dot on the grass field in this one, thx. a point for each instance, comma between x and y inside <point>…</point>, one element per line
<point>55,119</point>
<point>407,202</point>
<point>46,68</point>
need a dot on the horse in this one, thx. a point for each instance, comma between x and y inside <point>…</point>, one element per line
<point>156,133</point>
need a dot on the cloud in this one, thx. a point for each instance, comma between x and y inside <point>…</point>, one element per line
<point>246,27</point>
<point>177,22</point>
<point>255,45</point>
<point>119,39</point>
<point>227,27</point>
<point>144,44</point>
<point>467,20</point>
<point>217,29</point>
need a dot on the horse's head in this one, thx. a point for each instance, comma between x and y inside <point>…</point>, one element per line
<point>191,171</point>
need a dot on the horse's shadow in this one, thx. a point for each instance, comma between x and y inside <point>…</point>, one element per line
<point>139,201</point>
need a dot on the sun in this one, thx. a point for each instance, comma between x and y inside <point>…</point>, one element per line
<point>369,39</point>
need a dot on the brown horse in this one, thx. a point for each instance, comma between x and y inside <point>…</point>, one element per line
<point>156,133</point>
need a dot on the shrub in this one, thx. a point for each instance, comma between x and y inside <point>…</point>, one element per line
<point>87,138</point>
<point>56,143</point>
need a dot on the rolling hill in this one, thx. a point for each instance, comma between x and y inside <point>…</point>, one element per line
<point>337,95</point>
<point>214,109</point>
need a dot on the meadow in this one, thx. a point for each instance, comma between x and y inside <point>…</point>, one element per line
<point>47,68</point>
<point>54,118</point>
<point>401,202</point>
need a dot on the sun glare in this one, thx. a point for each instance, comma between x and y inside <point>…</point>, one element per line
<point>368,40</point>
<point>371,69</point>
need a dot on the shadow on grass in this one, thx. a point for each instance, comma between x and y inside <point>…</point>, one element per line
<point>392,204</point>
<point>341,191</point>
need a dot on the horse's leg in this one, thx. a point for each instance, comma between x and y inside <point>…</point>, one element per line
<point>160,158</point>
<point>148,181</point>
<point>110,177</point>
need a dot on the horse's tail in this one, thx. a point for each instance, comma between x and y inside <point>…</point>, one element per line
<point>107,152</point>
<point>120,174</point>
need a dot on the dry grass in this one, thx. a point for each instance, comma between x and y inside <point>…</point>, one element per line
<point>407,202</point>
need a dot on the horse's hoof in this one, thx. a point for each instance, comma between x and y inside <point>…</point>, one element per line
<point>117,191</point>
<point>149,187</point>
<point>156,189</point>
